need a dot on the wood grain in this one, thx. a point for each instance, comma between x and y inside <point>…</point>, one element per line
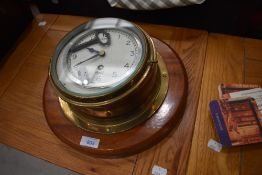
<point>27,42</point>
<point>251,159</point>
<point>67,23</point>
<point>133,140</point>
<point>224,64</point>
<point>27,121</point>
<point>223,58</point>
<point>251,154</point>
<point>22,122</point>
<point>190,45</point>
<point>47,46</point>
<point>253,48</point>
<point>25,128</point>
<point>253,71</point>
<point>172,153</point>
<point>157,31</point>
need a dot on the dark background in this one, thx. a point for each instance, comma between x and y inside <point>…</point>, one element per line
<point>234,17</point>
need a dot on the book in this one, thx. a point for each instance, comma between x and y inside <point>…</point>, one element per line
<point>224,90</point>
<point>237,115</point>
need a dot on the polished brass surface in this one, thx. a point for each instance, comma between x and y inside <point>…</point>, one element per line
<point>122,91</point>
<point>128,120</point>
<point>122,109</point>
<point>126,90</point>
<point>138,87</point>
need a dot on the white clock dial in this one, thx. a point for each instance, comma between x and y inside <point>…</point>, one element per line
<point>100,60</point>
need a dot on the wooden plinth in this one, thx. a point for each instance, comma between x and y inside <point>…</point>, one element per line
<point>136,139</point>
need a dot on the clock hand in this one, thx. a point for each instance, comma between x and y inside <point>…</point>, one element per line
<point>94,56</point>
<point>83,45</point>
<point>96,40</point>
<point>101,53</point>
<point>92,50</point>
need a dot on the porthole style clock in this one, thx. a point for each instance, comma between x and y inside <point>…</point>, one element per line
<point>110,81</point>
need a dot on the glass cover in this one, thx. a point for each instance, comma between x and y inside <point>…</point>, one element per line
<point>99,57</point>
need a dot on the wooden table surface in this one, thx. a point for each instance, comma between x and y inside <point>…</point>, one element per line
<point>209,58</point>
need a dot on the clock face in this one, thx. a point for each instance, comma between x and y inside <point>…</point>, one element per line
<point>100,60</point>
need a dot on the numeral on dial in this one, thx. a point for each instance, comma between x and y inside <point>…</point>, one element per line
<point>132,53</point>
<point>128,42</point>
<point>127,65</point>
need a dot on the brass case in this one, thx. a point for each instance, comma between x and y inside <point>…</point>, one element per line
<point>125,108</point>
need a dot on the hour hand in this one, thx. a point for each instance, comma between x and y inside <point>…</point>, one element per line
<point>92,50</point>
<point>101,37</point>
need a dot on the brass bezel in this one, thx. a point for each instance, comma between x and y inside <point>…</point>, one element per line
<point>127,89</point>
<point>106,113</point>
<point>126,121</point>
<point>97,100</point>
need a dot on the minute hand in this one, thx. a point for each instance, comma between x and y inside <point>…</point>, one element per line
<point>101,53</point>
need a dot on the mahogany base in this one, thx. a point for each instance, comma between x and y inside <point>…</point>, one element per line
<point>136,139</point>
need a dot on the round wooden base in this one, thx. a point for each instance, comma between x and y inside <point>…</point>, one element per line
<point>133,140</point>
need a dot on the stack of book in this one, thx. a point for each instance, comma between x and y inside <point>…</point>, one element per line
<point>237,115</point>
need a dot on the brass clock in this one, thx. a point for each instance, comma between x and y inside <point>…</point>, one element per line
<point>111,82</point>
<point>108,75</point>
